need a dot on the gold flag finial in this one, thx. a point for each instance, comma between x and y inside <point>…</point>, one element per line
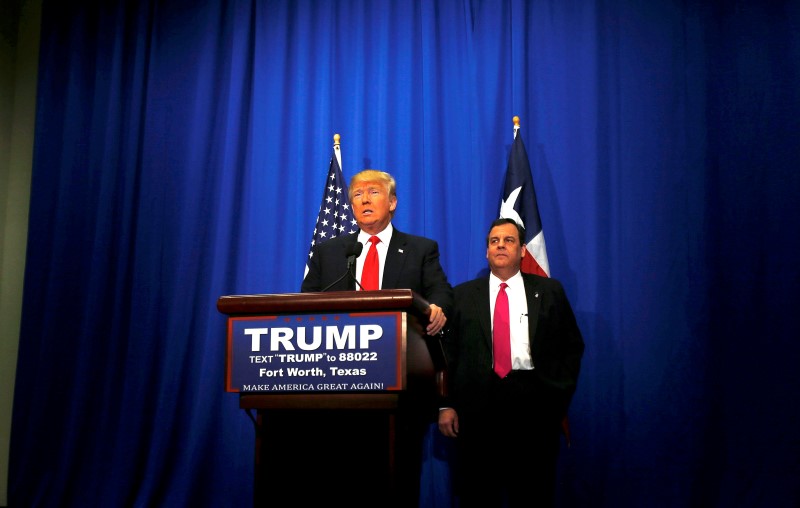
<point>516,125</point>
<point>336,139</point>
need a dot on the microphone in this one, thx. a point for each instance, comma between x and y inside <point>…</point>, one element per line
<point>352,252</point>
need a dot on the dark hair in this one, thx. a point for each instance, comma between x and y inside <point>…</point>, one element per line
<point>503,220</point>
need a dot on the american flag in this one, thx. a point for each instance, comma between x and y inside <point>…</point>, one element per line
<point>519,203</point>
<point>335,214</point>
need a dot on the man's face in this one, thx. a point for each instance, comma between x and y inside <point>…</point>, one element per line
<point>504,250</point>
<point>372,206</point>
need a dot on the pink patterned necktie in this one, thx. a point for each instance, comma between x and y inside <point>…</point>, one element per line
<point>501,331</point>
<point>369,274</point>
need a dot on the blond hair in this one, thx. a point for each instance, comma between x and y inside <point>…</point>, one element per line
<point>373,175</point>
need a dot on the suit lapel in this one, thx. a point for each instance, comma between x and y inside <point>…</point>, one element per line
<point>534,297</point>
<point>395,260</point>
<point>480,300</point>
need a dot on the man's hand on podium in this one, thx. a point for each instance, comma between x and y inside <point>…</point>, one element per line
<point>436,320</point>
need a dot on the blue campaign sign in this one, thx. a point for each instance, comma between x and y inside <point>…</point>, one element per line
<point>353,352</point>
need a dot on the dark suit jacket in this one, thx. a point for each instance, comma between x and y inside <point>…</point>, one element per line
<point>556,344</point>
<point>412,262</point>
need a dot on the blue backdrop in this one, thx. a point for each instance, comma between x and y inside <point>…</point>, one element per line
<point>181,148</point>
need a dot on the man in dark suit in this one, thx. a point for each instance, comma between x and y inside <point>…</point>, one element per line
<point>356,462</point>
<point>406,261</point>
<point>507,425</point>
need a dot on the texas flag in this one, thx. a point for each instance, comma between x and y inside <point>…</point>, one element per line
<point>519,203</point>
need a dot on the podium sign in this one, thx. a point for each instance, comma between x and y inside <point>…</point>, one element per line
<point>340,356</point>
<point>328,352</point>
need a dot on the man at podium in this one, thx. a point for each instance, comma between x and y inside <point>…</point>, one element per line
<point>341,454</point>
<point>389,259</point>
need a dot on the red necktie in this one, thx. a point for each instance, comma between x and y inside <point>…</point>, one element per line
<point>369,275</point>
<point>501,332</point>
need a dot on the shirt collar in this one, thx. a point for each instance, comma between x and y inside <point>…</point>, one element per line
<point>385,235</point>
<point>515,280</point>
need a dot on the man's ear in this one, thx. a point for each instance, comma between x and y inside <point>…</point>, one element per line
<point>392,203</point>
<point>523,251</point>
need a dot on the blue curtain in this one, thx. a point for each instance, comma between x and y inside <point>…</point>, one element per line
<point>181,148</point>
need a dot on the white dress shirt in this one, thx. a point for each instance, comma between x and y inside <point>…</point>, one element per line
<point>517,316</point>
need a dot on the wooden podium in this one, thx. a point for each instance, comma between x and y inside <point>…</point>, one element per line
<point>420,367</point>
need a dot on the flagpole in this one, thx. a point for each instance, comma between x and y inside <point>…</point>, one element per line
<point>516,125</point>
